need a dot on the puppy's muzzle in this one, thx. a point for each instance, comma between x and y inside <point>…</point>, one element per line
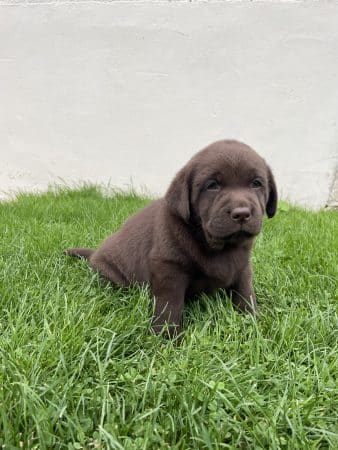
<point>240,214</point>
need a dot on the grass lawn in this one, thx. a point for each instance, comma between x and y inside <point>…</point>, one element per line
<point>80,369</point>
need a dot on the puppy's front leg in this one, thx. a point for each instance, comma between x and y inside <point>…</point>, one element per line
<point>242,292</point>
<point>168,287</point>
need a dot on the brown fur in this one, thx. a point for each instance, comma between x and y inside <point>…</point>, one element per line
<point>198,237</point>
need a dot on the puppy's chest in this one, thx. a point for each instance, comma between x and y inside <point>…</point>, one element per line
<point>222,269</point>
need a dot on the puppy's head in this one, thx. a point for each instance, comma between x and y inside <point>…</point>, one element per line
<point>224,190</point>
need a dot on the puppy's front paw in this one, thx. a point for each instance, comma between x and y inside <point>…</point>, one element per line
<point>169,331</point>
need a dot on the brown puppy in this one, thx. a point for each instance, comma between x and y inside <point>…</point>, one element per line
<point>198,237</point>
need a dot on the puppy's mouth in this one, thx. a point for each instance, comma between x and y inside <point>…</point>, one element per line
<point>218,242</point>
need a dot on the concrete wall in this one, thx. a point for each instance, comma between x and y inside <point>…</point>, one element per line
<point>128,91</point>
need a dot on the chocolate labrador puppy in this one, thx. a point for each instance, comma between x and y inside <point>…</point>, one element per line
<point>198,237</point>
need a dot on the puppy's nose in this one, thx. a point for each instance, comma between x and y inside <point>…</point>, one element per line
<point>240,214</point>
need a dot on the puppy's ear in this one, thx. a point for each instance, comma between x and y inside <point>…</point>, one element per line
<point>178,195</point>
<point>271,205</point>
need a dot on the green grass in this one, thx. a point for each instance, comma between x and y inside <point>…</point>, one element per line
<point>80,368</point>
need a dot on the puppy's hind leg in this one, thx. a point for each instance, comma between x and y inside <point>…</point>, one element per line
<point>109,270</point>
<point>79,252</point>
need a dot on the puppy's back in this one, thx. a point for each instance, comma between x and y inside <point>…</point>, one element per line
<point>124,256</point>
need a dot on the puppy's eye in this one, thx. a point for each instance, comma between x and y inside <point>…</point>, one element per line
<point>212,185</point>
<point>256,183</point>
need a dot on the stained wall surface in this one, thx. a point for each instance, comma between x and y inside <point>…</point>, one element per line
<point>125,92</point>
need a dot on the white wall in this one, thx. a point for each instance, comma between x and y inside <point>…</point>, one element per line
<point>128,91</point>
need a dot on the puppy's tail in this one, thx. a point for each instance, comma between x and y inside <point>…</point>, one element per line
<point>79,252</point>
